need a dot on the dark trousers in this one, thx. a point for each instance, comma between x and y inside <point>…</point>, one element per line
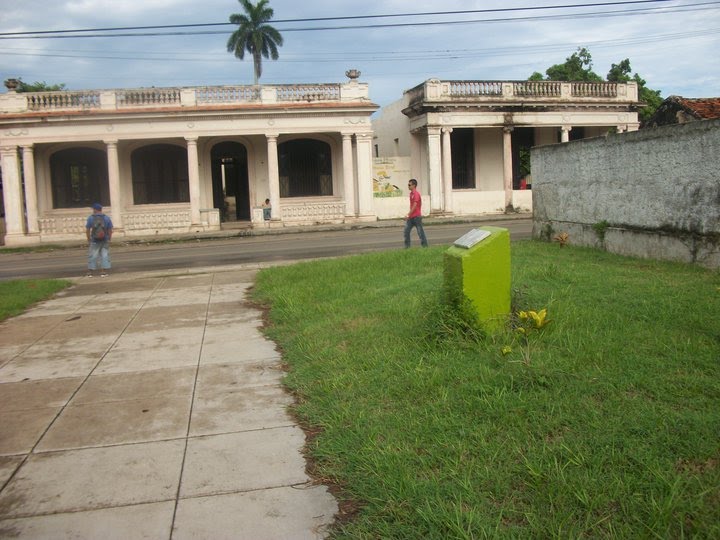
<point>417,223</point>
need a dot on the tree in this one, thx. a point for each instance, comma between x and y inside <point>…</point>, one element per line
<point>39,87</point>
<point>254,35</point>
<point>577,67</point>
<point>621,73</point>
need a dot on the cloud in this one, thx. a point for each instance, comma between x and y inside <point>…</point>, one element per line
<point>673,50</point>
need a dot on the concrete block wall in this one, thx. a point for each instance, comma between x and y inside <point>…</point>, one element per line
<point>650,193</point>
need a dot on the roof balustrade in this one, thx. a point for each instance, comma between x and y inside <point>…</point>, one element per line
<point>156,98</point>
<point>436,91</point>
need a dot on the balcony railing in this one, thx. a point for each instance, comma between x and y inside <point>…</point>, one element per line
<point>227,94</point>
<point>153,97</point>
<point>56,101</point>
<point>436,91</point>
<point>150,98</point>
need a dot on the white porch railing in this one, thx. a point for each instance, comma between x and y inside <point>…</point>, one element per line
<point>157,220</point>
<point>313,211</point>
<point>63,224</point>
<point>139,220</point>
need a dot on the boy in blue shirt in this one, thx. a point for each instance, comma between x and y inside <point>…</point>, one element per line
<point>98,229</point>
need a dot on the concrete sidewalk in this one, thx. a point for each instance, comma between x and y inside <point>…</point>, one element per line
<point>150,406</point>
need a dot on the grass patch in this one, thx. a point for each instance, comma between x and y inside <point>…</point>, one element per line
<point>17,295</point>
<point>33,249</point>
<point>611,428</point>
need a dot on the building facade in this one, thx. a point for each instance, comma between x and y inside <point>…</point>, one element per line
<point>179,160</point>
<point>469,141</point>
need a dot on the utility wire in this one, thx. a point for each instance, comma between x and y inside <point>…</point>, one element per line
<point>371,56</point>
<point>39,34</point>
<point>594,14</point>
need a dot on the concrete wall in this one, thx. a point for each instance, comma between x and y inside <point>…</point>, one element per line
<point>390,125</point>
<point>650,193</point>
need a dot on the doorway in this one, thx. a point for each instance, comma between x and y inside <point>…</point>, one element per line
<point>231,187</point>
<point>523,139</point>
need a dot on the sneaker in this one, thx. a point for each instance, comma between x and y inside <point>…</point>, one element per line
<point>104,274</point>
<point>89,274</point>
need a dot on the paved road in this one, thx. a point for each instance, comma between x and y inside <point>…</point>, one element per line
<point>70,262</point>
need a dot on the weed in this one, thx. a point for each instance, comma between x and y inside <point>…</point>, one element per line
<point>546,232</point>
<point>600,229</point>
<point>562,238</point>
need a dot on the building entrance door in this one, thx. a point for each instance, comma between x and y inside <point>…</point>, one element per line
<point>231,189</point>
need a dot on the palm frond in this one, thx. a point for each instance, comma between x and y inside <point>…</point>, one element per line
<point>254,35</point>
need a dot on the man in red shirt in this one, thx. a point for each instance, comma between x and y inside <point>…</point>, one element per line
<point>414,216</point>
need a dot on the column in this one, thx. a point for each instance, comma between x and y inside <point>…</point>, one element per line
<point>434,169</point>
<point>507,166</point>
<point>11,192</point>
<point>31,200</point>
<point>447,169</point>
<point>565,133</point>
<point>363,148</point>
<point>273,177</point>
<point>193,179</point>
<point>114,181</point>
<point>348,175</point>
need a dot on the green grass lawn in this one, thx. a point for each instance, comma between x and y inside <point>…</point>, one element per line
<point>610,429</point>
<point>17,295</point>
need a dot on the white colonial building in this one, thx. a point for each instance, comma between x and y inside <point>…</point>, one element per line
<point>467,142</point>
<point>179,160</point>
<point>188,160</point>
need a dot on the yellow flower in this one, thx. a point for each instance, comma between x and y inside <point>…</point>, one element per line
<point>507,349</point>
<point>539,318</point>
<point>523,315</point>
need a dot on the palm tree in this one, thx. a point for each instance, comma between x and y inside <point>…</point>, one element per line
<point>254,35</point>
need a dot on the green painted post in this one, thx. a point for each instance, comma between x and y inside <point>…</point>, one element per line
<point>482,274</point>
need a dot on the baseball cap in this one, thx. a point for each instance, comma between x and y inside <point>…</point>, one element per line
<point>97,206</point>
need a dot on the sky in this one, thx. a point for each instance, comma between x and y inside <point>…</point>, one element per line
<point>672,44</point>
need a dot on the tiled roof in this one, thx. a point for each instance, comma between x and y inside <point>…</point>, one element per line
<point>701,108</point>
<point>679,110</point>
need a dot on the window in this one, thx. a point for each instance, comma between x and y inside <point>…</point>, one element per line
<point>462,143</point>
<point>305,168</point>
<point>160,174</point>
<point>79,178</point>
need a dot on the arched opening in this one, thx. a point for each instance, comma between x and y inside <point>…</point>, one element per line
<point>231,190</point>
<point>160,174</point>
<point>305,167</point>
<point>79,178</point>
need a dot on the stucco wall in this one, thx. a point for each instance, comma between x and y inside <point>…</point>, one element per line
<point>650,193</point>
<point>389,125</point>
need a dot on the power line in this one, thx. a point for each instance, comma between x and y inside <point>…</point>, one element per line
<point>39,34</point>
<point>372,56</point>
<point>593,14</point>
